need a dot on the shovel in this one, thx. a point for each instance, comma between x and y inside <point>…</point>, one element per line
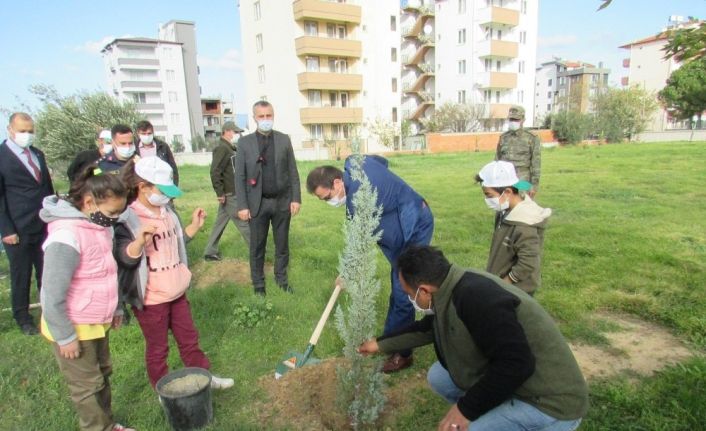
<point>293,359</point>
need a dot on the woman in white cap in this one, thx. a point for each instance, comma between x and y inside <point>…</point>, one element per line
<point>516,247</point>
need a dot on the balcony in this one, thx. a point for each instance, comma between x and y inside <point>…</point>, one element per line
<point>497,48</point>
<point>497,110</point>
<point>500,80</point>
<point>330,81</point>
<point>138,63</point>
<point>149,85</point>
<point>333,47</point>
<point>330,115</point>
<point>420,111</point>
<point>417,85</point>
<point>142,107</point>
<point>326,11</point>
<point>499,15</point>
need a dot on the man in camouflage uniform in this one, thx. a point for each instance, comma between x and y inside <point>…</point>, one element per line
<point>521,148</point>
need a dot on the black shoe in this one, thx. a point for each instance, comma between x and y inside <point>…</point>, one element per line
<point>260,291</point>
<point>212,257</point>
<point>286,287</point>
<point>29,329</point>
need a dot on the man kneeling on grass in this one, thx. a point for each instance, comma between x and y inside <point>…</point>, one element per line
<point>502,361</point>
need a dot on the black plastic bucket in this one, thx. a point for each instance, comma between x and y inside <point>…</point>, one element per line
<point>185,395</point>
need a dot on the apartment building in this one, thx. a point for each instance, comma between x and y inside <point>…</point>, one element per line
<point>159,75</point>
<point>215,112</point>
<point>330,68</point>
<point>648,68</point>
<point>567,85</point>
<point>466,51</point>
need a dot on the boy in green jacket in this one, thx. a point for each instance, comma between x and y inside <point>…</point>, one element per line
<point>516,247</point>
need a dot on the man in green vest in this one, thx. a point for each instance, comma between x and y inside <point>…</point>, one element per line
<point>502,361</point>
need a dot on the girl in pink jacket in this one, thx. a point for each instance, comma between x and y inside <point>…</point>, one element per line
<point>79,296</point>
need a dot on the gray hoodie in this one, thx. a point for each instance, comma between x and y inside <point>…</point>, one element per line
<point>516,248</point>
<point>61,258</point>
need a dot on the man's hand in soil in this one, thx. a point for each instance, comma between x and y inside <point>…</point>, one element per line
<point>454,421</point>
<point>71,350</point>
<point>368,347</point>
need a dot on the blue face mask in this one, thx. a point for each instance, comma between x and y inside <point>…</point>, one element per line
<point>265,125</point>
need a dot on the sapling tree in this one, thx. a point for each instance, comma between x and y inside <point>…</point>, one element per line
<point>361,383</point>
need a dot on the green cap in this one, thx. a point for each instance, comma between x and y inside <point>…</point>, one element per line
<point>516,113</point>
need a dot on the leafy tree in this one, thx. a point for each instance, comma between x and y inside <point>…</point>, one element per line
<point>384,131</point>
<point>687,44</point>
<point>570,127</point>
<point>623,113</point>
<point>456,118</point>
<point>685,93</point>
<point>177,145</point>
<point>198,143</point>
<point>66,125</point>
<point>360,382</point>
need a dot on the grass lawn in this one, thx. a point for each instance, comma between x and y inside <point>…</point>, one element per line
<point>627,235</point>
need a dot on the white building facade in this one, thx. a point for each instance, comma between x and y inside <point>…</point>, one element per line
<point>330,69</point>
<point>469,51</point>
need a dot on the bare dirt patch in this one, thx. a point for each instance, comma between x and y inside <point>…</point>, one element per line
<point>232,271</point>
<point>638,348</point>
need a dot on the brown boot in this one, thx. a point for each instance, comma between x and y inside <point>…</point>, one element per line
<point>396,362</point>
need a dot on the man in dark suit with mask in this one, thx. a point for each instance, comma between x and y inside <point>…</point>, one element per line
<point>268,192</point>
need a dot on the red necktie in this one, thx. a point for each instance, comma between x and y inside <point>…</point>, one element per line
<point>37,172</point>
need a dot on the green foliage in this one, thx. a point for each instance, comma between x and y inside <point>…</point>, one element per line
<point>456,118</point>
<point>253,315</point>
<point>177,145</point>
<point>384,131</point>
<point>570,127</point>
<point>360,386</point>
<point>623,113</point>
<point>198,143</point>
<point>685,92</point>
<point>66,125</point>
<point>687,44</point>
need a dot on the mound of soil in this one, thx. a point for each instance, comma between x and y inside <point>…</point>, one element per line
<point>231,271</point>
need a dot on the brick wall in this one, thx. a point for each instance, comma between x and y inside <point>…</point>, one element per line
<point>454,142</point>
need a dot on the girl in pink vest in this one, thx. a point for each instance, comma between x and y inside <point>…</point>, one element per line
<point>150,246</point>
<point>79,296</point>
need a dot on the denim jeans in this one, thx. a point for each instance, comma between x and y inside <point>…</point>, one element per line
<point>511,415</point>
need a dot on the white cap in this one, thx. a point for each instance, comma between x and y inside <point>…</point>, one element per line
<point>104,134</point>
<point>158,172</point>
<point>502,174</point>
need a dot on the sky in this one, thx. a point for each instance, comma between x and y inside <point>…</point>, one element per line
<point>58,42</point>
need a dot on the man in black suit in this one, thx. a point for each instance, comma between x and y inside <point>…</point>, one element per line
<point>24,183</point>
<point>268,192</point>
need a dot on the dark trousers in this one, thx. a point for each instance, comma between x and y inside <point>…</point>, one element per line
<point>400,312</point>
<point>275,212</point>
<point>155,322</point>
<point>23,256</point>
<point>88,380</point>
<point>227,211</point>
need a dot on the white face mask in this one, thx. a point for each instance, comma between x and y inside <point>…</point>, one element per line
<point>336,201</point>
<point>514,125</point>
<point>234,139</point>
<point>494,203</point>
<point>24,139</point>
<point>158,200</point>
<point>107,149</point>
<point>146,139</point>
<point>126,152</point>
<point>426,311</point>
<point>265,125</point>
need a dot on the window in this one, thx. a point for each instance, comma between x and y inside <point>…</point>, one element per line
<point>261,74</point>
<point>488,33</point>
<point>497,65</point>
<point>344,100</point>
<point>312,64</point>
<point>462,96</point>
<point>175,118</point>
<point>549,107</point>
<point>256,9</point>
<point>549,83</point>
<point>500,34</point>
<point>394,115</point>
<point>523,6</point>
<point>139,97</point>
<point>171,75</point>
<point>394,85</point>
<point>549,95</point>
<point>523,37</point>
<point>521,66</point>
<point>311,28</point>
<point>393,23</point>
<point>178,138</point>
<point>333,98</point>
<point>520,96</point>
<point>337,65</point>
<point>462,67</point>
<point>393,54</point>
<point>341,34</point>
<point>316,131</point>
<point>487,96</point>
<point>462,36</point>
<point>173,96</point>
<point>258,42</point>
<point>488,64</point>
<point>331,30</point>
<point>314,97</point>
<point>461,6</point>
<point>337,31</point>
<point>497,97</point>
<point>168,52</point>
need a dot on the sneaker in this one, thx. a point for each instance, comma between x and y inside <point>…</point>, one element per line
<point>212,257</point>
<point>118,427</point>
<point>221,382</point>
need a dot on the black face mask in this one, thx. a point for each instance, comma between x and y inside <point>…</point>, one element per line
<point>102,220</point>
